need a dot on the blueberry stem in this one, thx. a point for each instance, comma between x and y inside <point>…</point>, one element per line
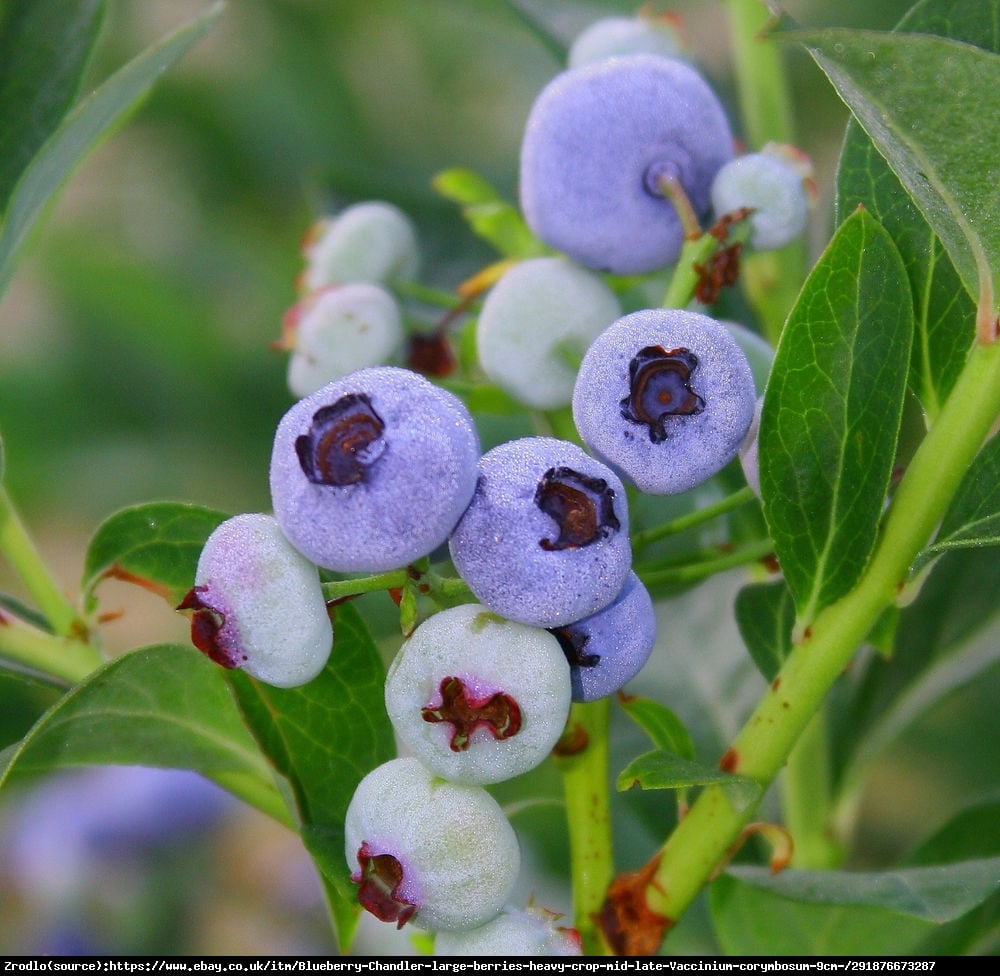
<point>699,517</point>
<point>66,659</point>
<point>343,589</point>
<point>19,548</point>
<point>699,569</point>
<point>586,786</point>
<point>699,842</point>
<point>445,590</point>
<point>772,279</point>
<point>684,280</point>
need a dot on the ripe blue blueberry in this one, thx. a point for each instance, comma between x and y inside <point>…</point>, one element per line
<point>530,932</point>
<point>536,324</point>
<point>373,470</point>
<point>338,330</point>
<point>371,241</point>
<point>257,604</point>
<point>615,37</point>
<point>544,540</point>
<point>476,698</point>
<point>420,848</point>
<point>599,142</point>
<point>772,183</point>
<point>609,648</point>
<point>664,396</point>
<point>759,352</point>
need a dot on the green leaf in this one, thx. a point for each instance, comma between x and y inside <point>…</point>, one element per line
<point>666,730</point>
<point>845,913</point>
<point>945,639</point>
<point>973,519</point>
<point>155,545</point>
<point>165,705</point>
<point>662,770</point>
<point>25,698</point>
<point>323,737</point>
<point>945,313</point>
<point>832,412</point>
<point>44,48</point>
<point>931,106</point>
<point>492,218</point>
<point>81,130</point>
<point>765,614</point>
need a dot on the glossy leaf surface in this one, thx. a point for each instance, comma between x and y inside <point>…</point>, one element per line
<point>156,545</point>
<point>832,411</point>
<point>44,48</point>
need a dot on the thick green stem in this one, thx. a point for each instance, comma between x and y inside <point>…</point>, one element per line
<point>586,784</point>
<point>807,799</point>
<point>64,658</point>
<point>702,838</point>
<point>16,544</point>
<point>772,278</point>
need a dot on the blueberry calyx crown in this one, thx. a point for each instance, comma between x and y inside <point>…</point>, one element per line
<point>466,711</point>
<point>206,624</point>
<point>378,878</point>
<point>343,441</point>
<point>659,388</point>
<point>573,641</point>
<point>581,506</point>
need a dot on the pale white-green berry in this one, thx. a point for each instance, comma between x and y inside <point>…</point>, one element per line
<point>340,329</point>
<point>477,698</point>
<point>773,187</point>
<point>534,932</point>
<point>749,455</point>
<point>535,326</point>
<point>614,37</point>
<point>759,352</point>
<point>420,848</point>
<point>371,241</point>
<point>257,604</point>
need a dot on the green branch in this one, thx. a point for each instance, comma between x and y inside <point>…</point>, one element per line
<point>586,784</point>
<point>700,841</point>
<point>17,545</point>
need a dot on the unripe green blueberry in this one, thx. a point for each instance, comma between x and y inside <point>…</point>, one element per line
<point>535,326</point>
<point>477,698</point>
<point>340,329</point>
<point>773,184</point>
<point>615,37</point>
<point>257,604</point>
<point>533,932</point>
<point>371,241</point>
<point>749,457</point>
<point>420,848</point>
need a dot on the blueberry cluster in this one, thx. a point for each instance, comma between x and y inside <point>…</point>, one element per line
<point>379,469</point>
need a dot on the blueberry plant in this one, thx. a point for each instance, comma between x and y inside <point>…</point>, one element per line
<point>697,417</point>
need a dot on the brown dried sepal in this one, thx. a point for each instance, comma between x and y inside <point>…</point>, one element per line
<point>582,507</point>
<point>499,713</point>
<point>378,879</point>
<point>628,924</point>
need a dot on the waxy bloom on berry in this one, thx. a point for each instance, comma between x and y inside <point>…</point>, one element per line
<point>419,848</point>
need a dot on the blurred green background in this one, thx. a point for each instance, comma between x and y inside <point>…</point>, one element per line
<point>134,340</point>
